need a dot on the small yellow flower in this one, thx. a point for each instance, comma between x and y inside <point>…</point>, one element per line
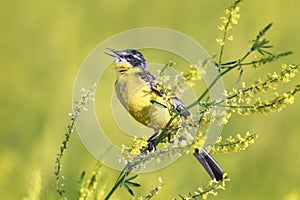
<point>292,75</point>
<point>284,66</point>
<point>289,100</point>
<point>220,41</point>
<point>234,21</point>
<point>224,20</point>
<point>248,101</point>
<point>221,27</point>
<point>230,38</point>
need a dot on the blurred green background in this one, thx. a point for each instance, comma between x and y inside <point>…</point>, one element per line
<point>43,44</point>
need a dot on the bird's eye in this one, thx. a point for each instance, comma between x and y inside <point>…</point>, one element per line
<point>129,56</point>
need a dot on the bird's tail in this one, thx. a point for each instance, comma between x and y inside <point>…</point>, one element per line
<point>210,164</point>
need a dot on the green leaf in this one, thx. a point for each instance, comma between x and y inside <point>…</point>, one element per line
<point>82,176</point>
<point>263,31</point>
<point>132,184</point>
<point>93,179</point>
<point>260,43</point>
<point>157,104</point>
<point>123,179</point>
<point>127,184</point>
<point>131,178</point>
<point>128,189</point>
<point>240,76</point>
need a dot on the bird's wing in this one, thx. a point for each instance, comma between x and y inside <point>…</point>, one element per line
<point>173,100</point>
<point>146,76</point>
<point>151,79</point>
<point>179,106</point>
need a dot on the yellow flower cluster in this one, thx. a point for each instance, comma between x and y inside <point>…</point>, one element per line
<point>136,147</point>
<point>197,143</point>
<point>277,104</point>
<point>181,82</point>
<point>209,189</point>
<point>243,101</point>
<point>221,117</point>
<point>154,191</point>
<point>92,188</point>
<point>231,18</point>
<point>192,75</point>
<point>186,79</point>
<point>233,144</point>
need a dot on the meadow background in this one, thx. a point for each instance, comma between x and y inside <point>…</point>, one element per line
<point>43,44</point>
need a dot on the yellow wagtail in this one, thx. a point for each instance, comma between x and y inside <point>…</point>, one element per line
<point>137,91</point>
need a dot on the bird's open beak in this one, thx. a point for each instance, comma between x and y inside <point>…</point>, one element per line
<point>116,52</point>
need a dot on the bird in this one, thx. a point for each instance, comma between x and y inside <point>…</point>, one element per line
<point>138,91</point>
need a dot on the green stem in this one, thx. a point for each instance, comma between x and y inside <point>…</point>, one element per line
<point>245,90</point>
<point>228,106</point>
<point>207,90</point>
<point>216,79</point>
<point>113,189</point>
<point>224,39</point>
<point>125,172</point>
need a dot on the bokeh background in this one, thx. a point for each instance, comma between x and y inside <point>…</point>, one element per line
<point>43,44</point>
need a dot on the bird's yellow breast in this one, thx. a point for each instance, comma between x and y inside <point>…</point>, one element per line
<point>121,66</point>
<point>137,97</point>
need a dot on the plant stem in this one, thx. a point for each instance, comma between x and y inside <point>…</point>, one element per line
<point>125,172</point>
<point>113,189</point>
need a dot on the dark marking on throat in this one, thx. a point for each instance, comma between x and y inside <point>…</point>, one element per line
<point>122,70</point>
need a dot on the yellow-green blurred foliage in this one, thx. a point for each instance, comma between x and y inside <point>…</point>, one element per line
<point>43,44</point>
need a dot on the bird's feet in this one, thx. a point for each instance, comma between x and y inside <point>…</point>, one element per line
<point>151,146</point>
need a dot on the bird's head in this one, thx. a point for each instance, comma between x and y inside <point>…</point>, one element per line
<point>127,59</point>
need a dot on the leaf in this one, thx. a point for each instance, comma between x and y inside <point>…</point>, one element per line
<point>82,176</point>
<point>260,43</point>
<point>268,47</point>
<point>128,189</point>
<point>263,31</point>
<point>128,183</point>
<point>131,178</point>
<point>157,104</point>
<point>123,179</point>
<point>93,179</point>
<point>240,76</point>
<point>132,184</point>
